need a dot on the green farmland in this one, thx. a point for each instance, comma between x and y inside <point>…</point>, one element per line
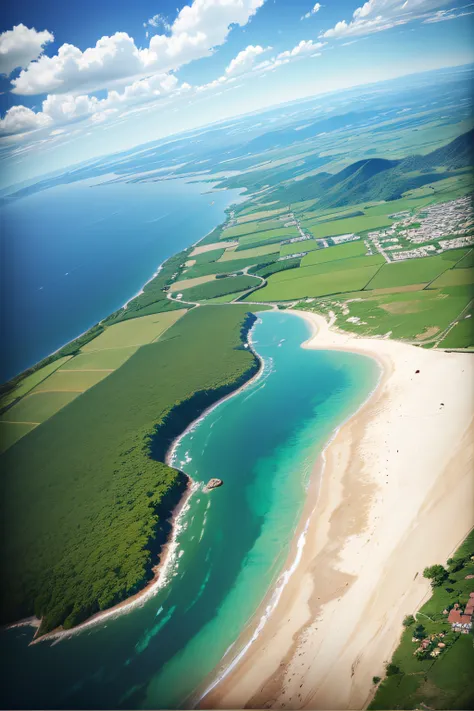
<point>331,254</point>
<point>413,271</point>
<point>298,287</point>
<point>107,494</point>
<point>219,287</point>
<point>347,226</point>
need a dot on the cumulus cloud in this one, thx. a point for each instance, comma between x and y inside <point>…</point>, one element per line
<point>379,15</point>
<point>197,29</point>
<point>305,47</point>
<point>61,109</point>
<point>245,60</point>
<point>311,12</point>
<point>20,46</point>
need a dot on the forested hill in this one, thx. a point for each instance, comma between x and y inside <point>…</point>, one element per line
<point>379,179</point>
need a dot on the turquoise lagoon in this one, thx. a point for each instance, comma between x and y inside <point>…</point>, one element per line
<point>232,544</point>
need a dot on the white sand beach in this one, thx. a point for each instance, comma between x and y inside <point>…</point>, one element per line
<point>396,495</point>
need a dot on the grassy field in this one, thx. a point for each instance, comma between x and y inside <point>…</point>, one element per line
<point>105,494</point>
<point>445,681</point>
<point>31,381</point>
<point>38,407</point>
<point>408,313</point>
<point>332,254</point>
<point>414,271</point>
<point>72,380</point>
<point>220,287</point>
<point>189,282</point>
<point>251,228</point>
<point>230,255</point>
<point>298,287</point>
<point>454,277</point>
<point>460,336</point>
<point>262,237</point>
<point>11,432</point>
<point>135,332</point>
<point>109,359</point>
<point>346,226</point>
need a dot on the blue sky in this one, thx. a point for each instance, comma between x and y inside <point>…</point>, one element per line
<point>83,79</point>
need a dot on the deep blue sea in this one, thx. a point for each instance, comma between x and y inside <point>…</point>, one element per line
<point>73,254</point>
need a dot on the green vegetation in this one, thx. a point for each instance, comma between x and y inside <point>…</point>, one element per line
<point>417,679</point>
<point>347,225</point>
<point>37,407</point>
<point>219,287</point>
<point>412,271</point>
<point>253,253</point>
<point>409,313</point>
<point>454,277</point>
<point>330,254</point>
<point>31,381</point>
<point>270,269</point>
<point>134,333</point>
<point>106,494</point>
<point>460,336</point>
<point>108,359</point>
<point>296,286</point>
<point>205,257</point>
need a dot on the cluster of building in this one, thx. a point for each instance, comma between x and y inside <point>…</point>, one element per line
<point>461,621</point>
<point>454,219</point>
<point>432,643</point>
<point>449,218</point>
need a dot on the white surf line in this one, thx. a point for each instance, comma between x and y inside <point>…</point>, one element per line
<point>171,454</point>
<point>286,575</point>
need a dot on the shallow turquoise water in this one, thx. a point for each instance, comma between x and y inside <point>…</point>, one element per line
<point>262,442</point>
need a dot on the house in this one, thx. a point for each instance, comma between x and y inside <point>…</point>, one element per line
<point>462,621</point>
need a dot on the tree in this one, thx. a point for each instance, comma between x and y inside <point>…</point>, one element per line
<point>419,632</point>
<point>392,669</point>
<point>436,573</point>
<point>375,679</point>
<point>408,621</point>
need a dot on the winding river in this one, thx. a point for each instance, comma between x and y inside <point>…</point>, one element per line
<point>232,543</point>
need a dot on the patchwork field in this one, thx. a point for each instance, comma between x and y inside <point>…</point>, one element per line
<point>331,254</point>
<point>108,359</point>
<point>135,332</point>
<point>414,271</point>
<point>220,287</point>
<point>36,408</point>
<point>347,226</point>
<point>298,287</point>
<point>254,253</point>
<point>31,381</point>
<point>74,381</point>
<point>202,248</point>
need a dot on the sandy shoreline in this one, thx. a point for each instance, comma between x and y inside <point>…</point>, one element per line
<point>396,495</point>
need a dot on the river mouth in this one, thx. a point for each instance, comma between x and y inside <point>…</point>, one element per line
<point>233,544</point>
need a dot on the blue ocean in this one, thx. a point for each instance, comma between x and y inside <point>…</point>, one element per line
<point>73,254</point>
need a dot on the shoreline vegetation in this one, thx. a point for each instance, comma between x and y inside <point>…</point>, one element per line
<point>332,632</point>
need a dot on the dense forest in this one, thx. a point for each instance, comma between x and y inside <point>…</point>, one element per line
<point>85,498</point>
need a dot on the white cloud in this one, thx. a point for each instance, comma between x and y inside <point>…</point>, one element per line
<point>303,48</point>
<point>62,109</point>
<point>452,14</point>
<point>311,12</point>
<point>379,15</point>
<point>19,119</point>
<point>20,46</point>
<point>197,29</point>
<point>245,60</point>
<point>158,21</point>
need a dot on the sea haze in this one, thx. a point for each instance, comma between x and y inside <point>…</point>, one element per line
<point>77,252</point>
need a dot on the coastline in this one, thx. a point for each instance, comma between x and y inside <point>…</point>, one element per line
<point>168,554</point>
<point>370,527</point>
